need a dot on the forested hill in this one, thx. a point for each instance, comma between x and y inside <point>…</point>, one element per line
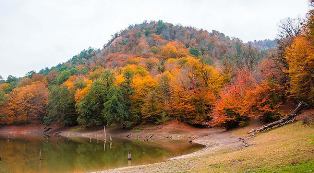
<point>148,40</point>
<point>153,72</point>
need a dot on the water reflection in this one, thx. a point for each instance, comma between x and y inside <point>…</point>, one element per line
<point>80,155</point>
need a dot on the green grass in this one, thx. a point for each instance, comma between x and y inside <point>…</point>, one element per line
<point>304,167</point>
<point>311,138</point>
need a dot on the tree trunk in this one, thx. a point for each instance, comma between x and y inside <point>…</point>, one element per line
<point>286,120</point>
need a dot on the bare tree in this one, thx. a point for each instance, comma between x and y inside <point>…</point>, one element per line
<point>288,29</point>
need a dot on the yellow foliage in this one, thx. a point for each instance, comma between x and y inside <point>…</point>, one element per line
<point>119,79</point>
<point>81,93</point>
<point>134,69</point>
<point>143,83</point>
<point>70,82</point>
<point>96,73</point>
<point>174,50</point>
<point>4,86</point>
<point>300,57</point>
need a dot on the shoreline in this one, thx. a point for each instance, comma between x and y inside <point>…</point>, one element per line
<point>223,141</point>
<point>213,140</point>
<point>224,151</point>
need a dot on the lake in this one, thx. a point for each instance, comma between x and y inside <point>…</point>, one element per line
<point>60,155</point>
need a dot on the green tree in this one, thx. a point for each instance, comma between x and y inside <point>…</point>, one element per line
<point>115,108</point>
<point>91,106</point>
<point>13,81</point>
<point>61,106</point>
<point>62,77</point>
<point>195,52</point>
<point>160,27</point>
<point>127,90</point>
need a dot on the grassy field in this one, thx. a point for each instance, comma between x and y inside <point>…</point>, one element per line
<point>286,149</point>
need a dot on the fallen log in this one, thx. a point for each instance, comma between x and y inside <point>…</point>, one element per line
<point>286,120</point>
<point>46,130</point>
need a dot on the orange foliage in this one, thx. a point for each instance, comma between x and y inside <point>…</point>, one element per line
<point>245,98</point>
<point>269,70</point>
<point>82,92</point>
<point>174,50</point>
<point>232,102</point>
<point>157,38</point>
<point>135,60</point>
<point>193,89</point>
<point>27,103</point>
<point>70,82</point>
<point>34,78</point>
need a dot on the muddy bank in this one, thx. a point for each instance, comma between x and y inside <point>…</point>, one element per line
<point>30,130</point>
<point>214,142</point>
<point>36,130</point>
<point>173,130</point>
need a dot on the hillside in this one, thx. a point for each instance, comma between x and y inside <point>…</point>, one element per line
<point>154,72</point>
<point>147,39</point>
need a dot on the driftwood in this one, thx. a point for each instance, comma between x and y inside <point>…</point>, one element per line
<point>46,130</point>
<point>288,119</point>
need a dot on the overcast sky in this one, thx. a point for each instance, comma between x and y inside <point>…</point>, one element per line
<point>41,33</point>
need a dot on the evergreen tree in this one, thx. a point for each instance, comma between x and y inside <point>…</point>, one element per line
<point>61,106</point>
<point>115,108</point>
<point>91,107</point>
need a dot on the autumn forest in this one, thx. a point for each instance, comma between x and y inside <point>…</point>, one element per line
<point>155,71</point>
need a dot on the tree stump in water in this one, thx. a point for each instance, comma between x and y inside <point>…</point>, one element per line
<point>129,156</point>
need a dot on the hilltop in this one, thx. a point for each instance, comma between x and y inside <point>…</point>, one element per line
<point>146,40</point>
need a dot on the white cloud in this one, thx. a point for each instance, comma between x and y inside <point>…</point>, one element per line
<point>39,33</point>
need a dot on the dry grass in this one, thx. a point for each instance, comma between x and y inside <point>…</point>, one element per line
<point>285,147</point>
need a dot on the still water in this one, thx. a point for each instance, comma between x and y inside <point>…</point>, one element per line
<point>59,155</point>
